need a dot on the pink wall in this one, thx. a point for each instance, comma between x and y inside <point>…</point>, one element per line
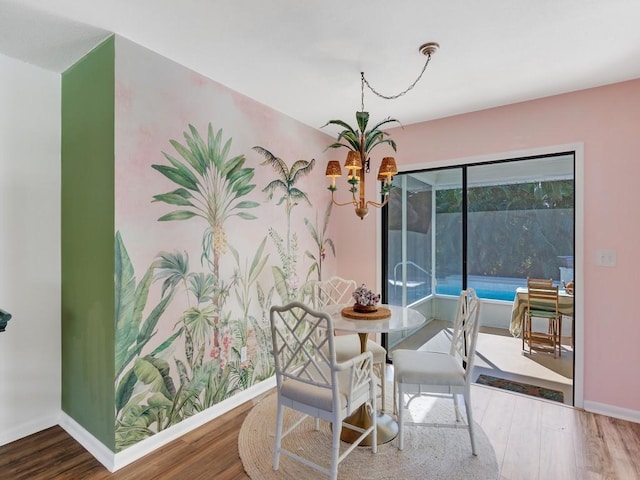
<point>607,121</point>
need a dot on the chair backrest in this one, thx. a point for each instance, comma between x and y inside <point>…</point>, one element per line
<point>465,329</point>
<point>542,296</point>
<point>334,291</point>
<point>299,334</point>
<point>539,282</point>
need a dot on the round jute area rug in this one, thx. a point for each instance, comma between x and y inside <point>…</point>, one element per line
<point>429,452</point>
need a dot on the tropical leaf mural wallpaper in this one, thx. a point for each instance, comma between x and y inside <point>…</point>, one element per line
<point>209,234</point>
<point>321,243</point>
<point>286,278</point>
<point>214,363</point>
<point>210,188</point>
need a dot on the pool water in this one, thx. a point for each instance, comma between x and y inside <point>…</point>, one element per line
<point>488,288</point>
<point>486,292</point>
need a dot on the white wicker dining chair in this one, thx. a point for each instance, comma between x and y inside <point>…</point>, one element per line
<point>311,381</point>
<point>418,372</point>
<point>338,291</point>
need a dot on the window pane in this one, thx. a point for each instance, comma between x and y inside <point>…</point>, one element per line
<point>519,224</point>
<point>410,244</point>
<point>449,232</point>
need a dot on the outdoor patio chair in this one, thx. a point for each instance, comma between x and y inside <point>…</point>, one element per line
<point>542,302</point>
<point>540,282</point>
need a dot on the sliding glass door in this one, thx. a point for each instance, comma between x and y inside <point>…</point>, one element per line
<point>487,226</point>
<point>409,240</point>
<point>422,244</point>
<point>520,223</point>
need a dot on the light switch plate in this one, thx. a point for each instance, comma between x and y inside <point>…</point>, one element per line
<point>606,257</point>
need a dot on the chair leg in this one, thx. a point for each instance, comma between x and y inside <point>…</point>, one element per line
<point>526,332</point>
<point>383,388</point>
<point>400,417</point>
<point>560,336</point>
<point>335,449</point>
<point>395,399</point>
<point>456,408</point>
<point>278,441</point>
<point>467,406</point>
<point>573,325</point>
<point>374,424</point>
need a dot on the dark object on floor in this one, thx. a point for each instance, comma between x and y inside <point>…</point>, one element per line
<point>4,319</point>
<point>518,387</point>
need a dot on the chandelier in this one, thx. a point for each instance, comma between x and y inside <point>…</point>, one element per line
<point>360,142</point>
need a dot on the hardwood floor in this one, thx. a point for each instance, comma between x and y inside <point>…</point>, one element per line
<point>532,439</point>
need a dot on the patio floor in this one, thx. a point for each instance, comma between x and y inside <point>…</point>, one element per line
<point>499,354</point>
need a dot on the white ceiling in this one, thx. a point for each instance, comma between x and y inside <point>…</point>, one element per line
<point>304,58</point>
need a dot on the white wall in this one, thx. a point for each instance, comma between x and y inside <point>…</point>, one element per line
<point>29,248</point>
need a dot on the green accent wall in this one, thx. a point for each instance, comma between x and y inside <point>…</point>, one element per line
<point>88,326</point>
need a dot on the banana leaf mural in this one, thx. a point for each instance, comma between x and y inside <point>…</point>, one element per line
<point>321,242</point>
<point>150,395</point>
<point>132,335</point>
<point>259,364</point>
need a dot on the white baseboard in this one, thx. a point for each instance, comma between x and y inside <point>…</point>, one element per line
<point>91,444</point>
<point>612,411</point>
<point>115,461</point>
<point>140,449</point>
<point>24,430</point>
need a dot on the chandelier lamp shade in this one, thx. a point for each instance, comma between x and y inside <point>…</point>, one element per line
<point>360,141</point>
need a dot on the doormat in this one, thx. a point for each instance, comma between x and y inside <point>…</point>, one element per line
<point>519,387</point>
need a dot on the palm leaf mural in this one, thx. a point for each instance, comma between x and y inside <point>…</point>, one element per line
<point>173,268</point>
<point>210,185</point>
<point>285,277</point>
<point>199,321</point>
<point>203,287</point>
<point>287,177</point>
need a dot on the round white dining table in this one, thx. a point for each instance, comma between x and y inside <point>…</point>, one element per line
<point>401,318</point>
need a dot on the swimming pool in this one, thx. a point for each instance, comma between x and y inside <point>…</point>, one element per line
<point>486,293</point>
<point>489,288</point>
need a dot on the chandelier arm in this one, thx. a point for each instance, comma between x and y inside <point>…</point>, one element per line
<point>393,97</point>
<point>377,204</point>
<point>352,202</point>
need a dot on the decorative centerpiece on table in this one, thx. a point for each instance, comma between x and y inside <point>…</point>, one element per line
<point>366,300</point>
<point>366,306</point>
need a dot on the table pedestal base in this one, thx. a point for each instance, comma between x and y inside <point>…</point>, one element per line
<point>386,427</point>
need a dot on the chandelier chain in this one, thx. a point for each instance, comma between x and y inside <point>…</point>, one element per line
<point>391,97</point>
